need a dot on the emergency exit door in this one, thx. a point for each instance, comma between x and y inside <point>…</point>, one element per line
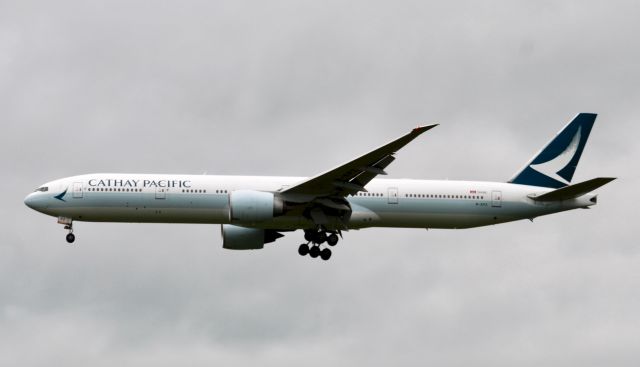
<point>496,199</point>
<point>393,195</point>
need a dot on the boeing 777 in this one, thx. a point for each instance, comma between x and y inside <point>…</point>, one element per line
<point>253,211</point>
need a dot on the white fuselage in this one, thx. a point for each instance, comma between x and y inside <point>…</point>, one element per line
<point>160,198</point>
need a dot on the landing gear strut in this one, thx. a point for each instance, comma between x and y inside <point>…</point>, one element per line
<point>314,240</point>
<point>68,225</point>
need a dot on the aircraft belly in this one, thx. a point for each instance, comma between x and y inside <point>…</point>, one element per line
<point>146,208</point>
<point>419,213</point>
<point>431,220</point>
<point>151,215</point>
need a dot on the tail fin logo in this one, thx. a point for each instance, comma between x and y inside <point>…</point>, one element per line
<point>557,164</point>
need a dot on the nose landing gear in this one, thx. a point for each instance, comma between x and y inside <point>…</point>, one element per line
<point>315,239</point>
<point>68,225</point>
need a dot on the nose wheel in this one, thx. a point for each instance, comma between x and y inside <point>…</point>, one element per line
<point>68,225</point>
<point>315,240</point>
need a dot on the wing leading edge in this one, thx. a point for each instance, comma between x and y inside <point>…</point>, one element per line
<point>353,176</point>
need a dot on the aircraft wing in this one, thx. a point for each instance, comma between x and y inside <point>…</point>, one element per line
<point>352,176</point>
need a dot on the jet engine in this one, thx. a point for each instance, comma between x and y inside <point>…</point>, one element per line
<point>243,238</point>
<point>248,206</point>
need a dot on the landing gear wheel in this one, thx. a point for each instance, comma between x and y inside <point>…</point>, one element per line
<point>303,250</point>
<point>314,251</point>
<point>321,237</point>
<point>325,254</point>
<point>309,236</point>
<point>71,237</point>
<point>332,240</point>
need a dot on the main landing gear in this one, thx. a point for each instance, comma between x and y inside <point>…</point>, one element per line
<point>68,225</point>
<point>315,239</point>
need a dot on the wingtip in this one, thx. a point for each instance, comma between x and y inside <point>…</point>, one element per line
<point>608,178</point>
<point>421,129</point>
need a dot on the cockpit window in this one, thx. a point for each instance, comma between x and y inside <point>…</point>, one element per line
<point>42,189</point>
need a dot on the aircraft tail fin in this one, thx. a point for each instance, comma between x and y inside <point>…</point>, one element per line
<point>556,163</point>
<point>573,191</point>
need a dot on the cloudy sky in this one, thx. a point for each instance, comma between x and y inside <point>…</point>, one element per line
<point>294,88</point>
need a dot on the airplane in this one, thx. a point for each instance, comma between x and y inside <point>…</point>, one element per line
<point>256,210</point>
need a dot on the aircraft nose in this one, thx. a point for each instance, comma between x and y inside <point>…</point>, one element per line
<point>30,201</point>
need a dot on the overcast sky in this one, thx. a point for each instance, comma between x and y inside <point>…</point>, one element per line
<point>294,88</point>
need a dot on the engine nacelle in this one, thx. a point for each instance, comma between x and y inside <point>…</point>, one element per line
<point>248,206</point>
<point>243,238</point>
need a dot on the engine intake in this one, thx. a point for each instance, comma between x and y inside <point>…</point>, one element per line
<point>248,206</point>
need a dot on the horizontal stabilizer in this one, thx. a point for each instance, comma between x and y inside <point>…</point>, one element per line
<point>573,191</point>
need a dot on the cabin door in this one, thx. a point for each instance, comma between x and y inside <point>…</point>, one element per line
<point>496,199</point>
<point>393,195</point>
<point>77,190</point>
